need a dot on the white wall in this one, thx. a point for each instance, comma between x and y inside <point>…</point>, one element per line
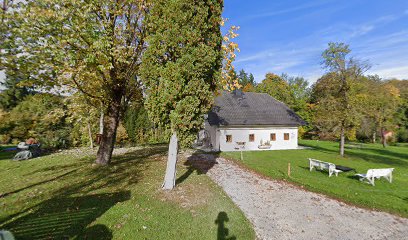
<point>241,134</point>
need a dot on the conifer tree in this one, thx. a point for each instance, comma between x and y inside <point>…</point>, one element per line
<point>181,68</point>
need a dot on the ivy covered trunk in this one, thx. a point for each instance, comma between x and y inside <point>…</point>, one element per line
<point>180,69</point>
<point>170,176</point>
<point>110,125</point>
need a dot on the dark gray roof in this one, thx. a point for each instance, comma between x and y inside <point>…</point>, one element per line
<point>248,108</point>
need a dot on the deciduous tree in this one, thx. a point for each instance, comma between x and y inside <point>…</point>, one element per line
<point>339,101</point>
<point>275,86</point>
<point>91,47</point>
<point>229,79</point>
<point>382,102</point>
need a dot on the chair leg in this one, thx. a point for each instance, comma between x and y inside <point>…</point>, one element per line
<point>371,181</point>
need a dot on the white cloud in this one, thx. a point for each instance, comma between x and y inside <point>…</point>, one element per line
<point>302,57</point>
<point>308,5</point>
<point>362,30</point>
<point>365,28</point>
<point>400,72</point>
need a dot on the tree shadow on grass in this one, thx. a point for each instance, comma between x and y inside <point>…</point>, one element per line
<point>98,231</point>
<point>318,171</point>
<point>382,156</point>
<point>387,152</point>
<point>199,162</point>
<point>66,217</point>
<point>87,192</point>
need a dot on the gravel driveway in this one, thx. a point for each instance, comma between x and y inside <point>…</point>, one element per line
<point>282,211</point>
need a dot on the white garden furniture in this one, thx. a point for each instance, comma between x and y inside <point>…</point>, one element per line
<point>372,174</point>
<point>314,163</point>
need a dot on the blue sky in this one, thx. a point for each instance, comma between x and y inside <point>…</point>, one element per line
<point>289,35</point>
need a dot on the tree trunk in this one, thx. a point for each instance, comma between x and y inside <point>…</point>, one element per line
<point>90,135</point>
<point>383,137</point>
<point>110,125</point>
<point>342,142</point>
<point>374,136</point>
<point>170,176</point>
<point>101,123</point>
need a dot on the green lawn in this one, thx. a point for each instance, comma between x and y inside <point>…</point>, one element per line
<point>391,197</point>
<point>64,197</point>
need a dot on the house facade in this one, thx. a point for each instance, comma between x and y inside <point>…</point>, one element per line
<point>247,121</point>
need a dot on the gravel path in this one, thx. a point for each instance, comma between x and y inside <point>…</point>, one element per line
<point>281,211</point>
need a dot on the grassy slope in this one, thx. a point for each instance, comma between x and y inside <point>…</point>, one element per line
<point>384,196</point>
<point>61,196</point>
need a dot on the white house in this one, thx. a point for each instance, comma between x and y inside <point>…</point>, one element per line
<point>250,121</point>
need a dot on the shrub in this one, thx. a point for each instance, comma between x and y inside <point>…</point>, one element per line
<point>5,139</point>
<point>402,135</point>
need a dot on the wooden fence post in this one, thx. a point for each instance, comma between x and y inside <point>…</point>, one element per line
<point>288,169</point>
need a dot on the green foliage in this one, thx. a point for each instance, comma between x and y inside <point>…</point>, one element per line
<point>12,93</point>
<point>402,134</point>
<point>121,135</point>
<point>140,128</point>
<point>182,65</point>
<point>11,62</point>
<point>136,119</point>
<point>338,94</point>
<point>335,57</point>
<point>81,46</point>
<point>41,116</point>
<point>83,114</point>
<point>293,91</point>
<point>275,86</point>
<point>401,116</point>
<point>380,104</point>
<point>246,80</point>
<point>89,47</point>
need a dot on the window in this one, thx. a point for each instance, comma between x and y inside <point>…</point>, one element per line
<point>229,138</point>
<point>273,137</point>
<point>286,136</point>
<point>252,137</point>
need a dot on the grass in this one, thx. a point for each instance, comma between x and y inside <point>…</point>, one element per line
<point>390,197</point>
<point>65,197</point>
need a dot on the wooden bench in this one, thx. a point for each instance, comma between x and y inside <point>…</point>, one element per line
<point>314,163</point>
<point>372,174</point>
